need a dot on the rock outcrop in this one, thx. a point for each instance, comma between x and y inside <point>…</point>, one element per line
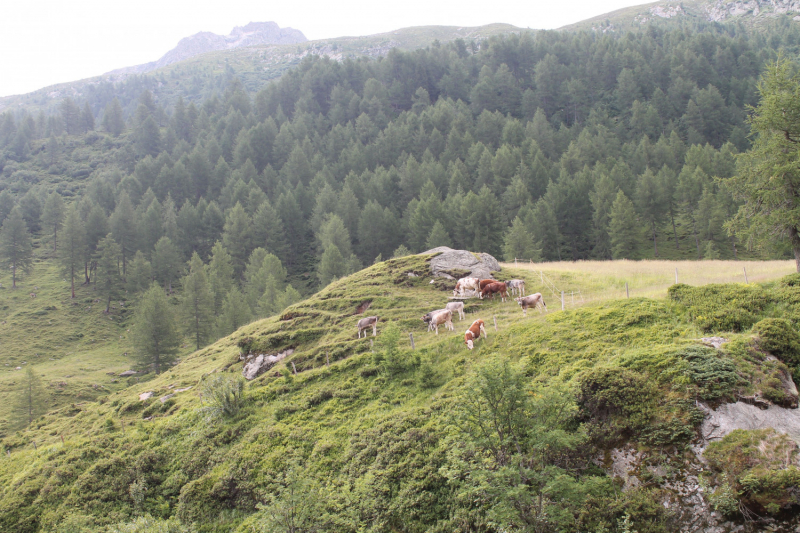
<point>453,264</point>
<point>257,364</point>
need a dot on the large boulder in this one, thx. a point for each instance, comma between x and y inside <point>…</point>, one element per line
<point>454,264</point>
<point>257,364</point>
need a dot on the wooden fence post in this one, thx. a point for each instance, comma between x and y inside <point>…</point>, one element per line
<point>562,300</point>
<point>495,322</point>
<point>294,368</point>
<point>627,292</point>
<point>745,275</point>
<point>327,359</point>
<point>34,446</point>
<point>62,438</point>
<point>411,336</point>
<point>676,275</point>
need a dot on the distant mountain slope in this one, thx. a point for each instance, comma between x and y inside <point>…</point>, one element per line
<point>252,34</point>
<point>746,11</point>
<point>199,76</point>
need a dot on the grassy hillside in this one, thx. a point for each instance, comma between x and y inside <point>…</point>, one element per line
<point>378,439</point>
<point>76,349</point>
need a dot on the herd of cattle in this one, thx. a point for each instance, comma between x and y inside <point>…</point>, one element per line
<point>468,287</point>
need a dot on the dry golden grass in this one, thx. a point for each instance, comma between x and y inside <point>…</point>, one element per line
<point>585,281</point>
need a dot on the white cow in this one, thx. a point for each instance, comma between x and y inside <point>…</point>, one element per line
<point>465,284</point>
<point>534,300</point>
<point>517,286</point>
<point>365,323</point>
<point>439,317</point>
<point>456,307</point>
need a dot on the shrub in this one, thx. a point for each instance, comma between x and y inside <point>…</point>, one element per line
<point>778,337</point>
<point>224,394</point>
<point>721,307</point>
<point>714,374</point>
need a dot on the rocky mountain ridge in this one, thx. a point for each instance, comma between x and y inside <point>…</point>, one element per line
<point>254,33</point>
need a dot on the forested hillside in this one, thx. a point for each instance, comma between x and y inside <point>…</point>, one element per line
<point>539,146</point>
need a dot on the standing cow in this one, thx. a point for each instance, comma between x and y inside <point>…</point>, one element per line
<point>439,317</point>
<point>365,324</point>
<point>534,300</point>
<point>516,286</point>
<point>456,307</point>
<point>493,288</point>
<point>474,333</point>
<point>465,284</point>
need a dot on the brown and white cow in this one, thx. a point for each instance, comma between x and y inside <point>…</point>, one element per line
<point>474,333</point>
<point>495,288</point>
<point>534,300</point>
<point>439,317</point>
<point>365,323</point>
<point>516,286</point>
<point>465,284</point>
<point>456,307</point>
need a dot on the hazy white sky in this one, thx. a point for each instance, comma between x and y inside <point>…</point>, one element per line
<point>43,42</point>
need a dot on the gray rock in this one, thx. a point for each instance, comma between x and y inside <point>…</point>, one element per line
<point>145,396</point>
<point>257,364</point>
<point>740,415</point>
<point>165,398</point>
<point>478,265</point>
<point>128,373</point>
<point>716,342</point>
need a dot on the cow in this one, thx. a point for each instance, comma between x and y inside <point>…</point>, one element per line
<point>534,300</point>
<point>439,317</point>
<point>516,285</point>
<point>365,323</point>
<point>474,333</point>
<point>33,295</point>
<point>497,287</point>
<point>456,307</point>
<point>465,284</point>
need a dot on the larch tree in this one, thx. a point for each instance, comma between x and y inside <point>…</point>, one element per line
<point>155,331</point>
<point>623,228</point>
<point>197,304</point>
<point>767,178</point>
<point>16,250</point>
<point>73,246</point>
<point>31,399</point>
<point>108,279</point>
<point>53,216</point>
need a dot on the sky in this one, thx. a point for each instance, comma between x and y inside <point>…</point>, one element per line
<point>44,42</point>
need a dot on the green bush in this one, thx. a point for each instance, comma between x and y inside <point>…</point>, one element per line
<point>713,373</point>
<point>224,395</point>
<point>779,337</point>
<point>722,307</point>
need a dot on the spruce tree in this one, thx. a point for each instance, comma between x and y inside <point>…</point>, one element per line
<point>166,263</point>
<point>220,275</point>
<point>155,331</point>
<point>124,229</point>
<point>623,228</point>
<point>438,237</point>
<point>234,315</point>
<point>53,216</point>
<point>519,243</point>
<point>73,246</point>
<point>237,237</point>
<point>31,401</point>
<point>16,250</point>
<point>197,303</point>
<point>331,266</point>
<point>140,274</point>
<point>113,119</point>
<point>108,279</point>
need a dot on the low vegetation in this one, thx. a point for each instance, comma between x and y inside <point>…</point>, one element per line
<point>372,434</point>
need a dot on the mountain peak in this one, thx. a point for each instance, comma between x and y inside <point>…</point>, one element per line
<point>251,34</point>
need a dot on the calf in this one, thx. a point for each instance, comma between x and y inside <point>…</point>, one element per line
<point>365,324</point>
<point>474,333</point>
<point>534,300</point>
<point>465,284</point>
<point>516,285</point>
<point>493,288</point>
<point>456,307</point>
<point>439,317</point>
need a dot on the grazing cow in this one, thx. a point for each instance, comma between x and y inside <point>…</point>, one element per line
<point>474,333</point>
<point>497,287</point>
<point>534,300</point>
<point>439,317</point>
<point>365,323</point>
<point>33,295</point>
<point>456,307</point>
<point>465,284</point>
<point>516,285</point>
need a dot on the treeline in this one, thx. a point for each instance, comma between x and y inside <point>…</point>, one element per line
<point>544,145</point>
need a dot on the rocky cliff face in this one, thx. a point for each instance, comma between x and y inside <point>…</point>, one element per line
<point>252,34</point>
